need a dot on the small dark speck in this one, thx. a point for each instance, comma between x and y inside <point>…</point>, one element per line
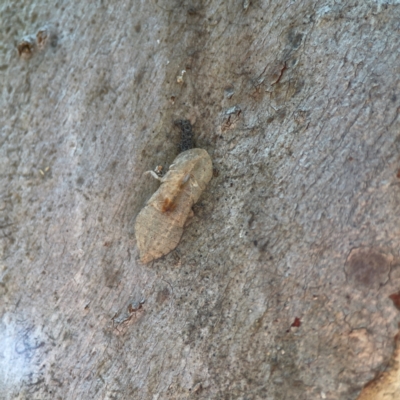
<point>255,243</point>
<point>113,166</point>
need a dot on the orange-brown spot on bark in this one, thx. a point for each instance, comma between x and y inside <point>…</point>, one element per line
<point>395,297</point>
<point>296,322</point>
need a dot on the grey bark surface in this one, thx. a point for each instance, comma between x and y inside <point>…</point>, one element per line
<point>296,102</point>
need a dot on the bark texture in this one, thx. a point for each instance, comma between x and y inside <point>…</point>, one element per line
<point>279,288</point>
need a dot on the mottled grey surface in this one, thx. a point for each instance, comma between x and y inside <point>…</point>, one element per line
<point>296,102</point>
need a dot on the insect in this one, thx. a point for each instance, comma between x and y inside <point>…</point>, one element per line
<point>121,318</point>
<point>159,170</point>
<point>159,225</point>
<point>26,47</point>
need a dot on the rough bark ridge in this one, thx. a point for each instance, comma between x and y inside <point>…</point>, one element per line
<point>279,288</point>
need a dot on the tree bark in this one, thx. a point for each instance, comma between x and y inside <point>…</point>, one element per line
<point>279,288</point>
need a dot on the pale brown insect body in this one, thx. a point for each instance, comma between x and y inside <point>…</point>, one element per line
<point>159,226</point>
